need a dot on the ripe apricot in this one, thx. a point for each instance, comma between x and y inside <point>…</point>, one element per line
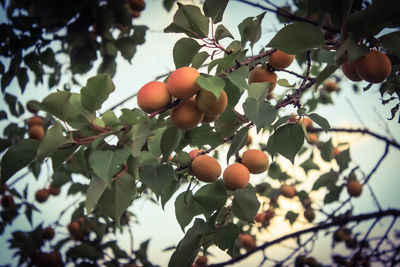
<point>55,191</point>
<point>74,229</point>
<point>193,153</point>
<point>349,70</point>
<point>207,102</point>
<point>309,214</point>
<point>186,115</point>
<point>210,118</point>
<point>42,195</point>
<point>48,233</point>
<point>312,138</point>
<point>138,5</point>
<point>260,217</point>
<point>354,188</point>
<point>201,261</point>
<point>206,168</point>
<point>247,241</point>
<point>236,176</point>
<point>373,67</point>
<point>255,160</point>
<point>288,191</point>
<point>153,96</point>
<point>269,213</point>
<point>280,60</point>
<point>7,201</point>
<point>260,74</point>
<point>182,83</point>
<point>308,123</point>
<point>331,86</point>
<point>36,132</point>
<point>34,121</point>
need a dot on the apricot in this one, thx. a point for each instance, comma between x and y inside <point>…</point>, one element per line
<point>335,151</point>
<point>255,160</point>
<point>207,102</point>
<point>311,261</point>
<point>308,123</point>
<point>201,261</point>
<point>3,188</point>
<point>312,138</point>
<point>206,168</point>
<point>186,115</point>
<point>260,74</point>
<point>236,176</point>
<point>373,67</point>
<point>36,132</point>
<point>47,258</point>
<point>331,86</point>
<point>354,188</point>
<point>260,217</point>
<point>182,83</point>
<point>153,96</point>
<point>280,60</point>
<point>74,228</point>
<point>135,14</point>
<point>193,153</point>
<point>210,118</point>
<point>138,5</point>
<point>309,214</point>
<point>34,121</point>
<point>269,213</point>
<point>7,201</point>
<point>293,118</point>
<point>48,233</point>
<point>55,191</point>
<point>247,242</point>
<point>42,195</point>
<point>288,191</point>
<point>349,70</point>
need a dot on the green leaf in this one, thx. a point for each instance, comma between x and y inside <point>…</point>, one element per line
<point>225,236</point>
<point>245,204</point>
<point>139,134</point>
<point>96,91</point>
<point>168,192</point>
<point>325,180</point>
<point>94,192</point>
<point>59,156</point>
<point>17,157</point>
<point>291,217</point>
<point>309,164</point>
<point>325,74</point>
<point>259,91</point>
<point>154,141</point>
<point>53,139</point>
<point>321,121</point>
<point>222,32</point>
<point>261,113</point>
<point>214,84</point>
<point>287,141</point>
<point>343,159</point>
<point>333,194</point>
<point>204,135</point>
<point>327,151</point>
<point>14,105</point>
<point>106,163</point>
<point>215,9</point>
<point>188,19</point>
<point>184,50</point>
<point>275,172</point>
<point>239,141</point>
<point>57,104</point>
<point>250,29</point>
<point>211,196</point>
<point>238,77</point>
<point>285,83</point>
<point>157,178</point>
<point>22,77</point>
<point>110,119</point>
<point>199,59</point>
<point>391,42</point>
<point>116,200</point>
<point>170,140</point>
<point>298,37</point>
<point>168,4</point>
<point>186,208</point>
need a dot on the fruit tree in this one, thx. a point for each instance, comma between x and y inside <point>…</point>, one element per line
<point>246,139</point>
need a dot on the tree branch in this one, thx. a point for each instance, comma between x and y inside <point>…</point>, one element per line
<point>341,220</point>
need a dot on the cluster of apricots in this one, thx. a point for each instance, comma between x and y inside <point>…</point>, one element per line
<point>235,176</point>
<point>354,188</point>
<point>35,128</point>
<point>303,260</point>
<point>196,104</point>
<point>278,60</point>
<point>344,234</point>
<point>135,7</point>
<point>373,67</point>
<point>43,194</point>
<point>265,217</point>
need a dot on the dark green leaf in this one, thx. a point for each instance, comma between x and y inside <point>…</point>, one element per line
<point>96,91</point>
<point>225,236</point>
<point>17,157</point>
<point>309,164</point>
<point>157,178</point>
<point>183,52</point>
<point>22,77</point>
<point>261,113</point>
<point>215,9</point>
<point>222,32</point>
<point>170,140</point>
<point>139,134</point>
<point>211,196</point>
<point>239,141</point>
<point>245,203</point>
<point>199,59</point>
<point>325,180</point>
<point>186,208</point>
<point>391,42</point>
<point>333,194</point>
<point>323,75</point>
<point>343,159</point>
<point>287,141</point>
<point>321,121</point>
<point>291,217</point>
<point>14,105</point>
<point>53,139</point>
<point>94,192</point>
<point>57,104</point>
<point>168,4</point>
<point>298,37</point>
<point>250,29</point>
<point>213,84</point>
<point>327,151</point>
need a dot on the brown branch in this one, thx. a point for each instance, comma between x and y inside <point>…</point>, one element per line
<point>341,220</point>
<point>391,142</point>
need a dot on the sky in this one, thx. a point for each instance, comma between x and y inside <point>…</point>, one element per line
<point>155,58</point>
